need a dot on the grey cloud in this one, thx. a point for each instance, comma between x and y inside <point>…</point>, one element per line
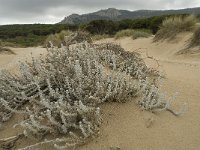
<point>50,11</point>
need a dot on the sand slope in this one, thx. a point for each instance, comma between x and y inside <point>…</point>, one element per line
<point>22,54</point>
<point>128,127</point>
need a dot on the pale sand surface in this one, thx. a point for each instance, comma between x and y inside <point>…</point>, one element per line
<point>126,125</point>
<point>10,61</point>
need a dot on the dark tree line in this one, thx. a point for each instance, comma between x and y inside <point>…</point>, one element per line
<point>12,31</point>
<point>35,34</point>
<point>111,27</point>
<point>30,34</point>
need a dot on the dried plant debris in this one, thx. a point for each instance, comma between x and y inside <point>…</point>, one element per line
<point>60,94</point>
<point>77,37</point>
<point>70,39</point>
<point>6,50</point>
<point>9,143</point>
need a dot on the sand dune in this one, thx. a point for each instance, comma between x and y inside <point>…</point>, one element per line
<point>22,54</point>
<point>125,125</point>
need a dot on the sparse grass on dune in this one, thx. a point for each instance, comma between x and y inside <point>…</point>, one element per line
<point>6,50</point>
<point>174,25</point>
<point>57,38</point>
<point>133,33</point>
<point>195,40</point>
<point>7,44</point>
<point>193,45</point>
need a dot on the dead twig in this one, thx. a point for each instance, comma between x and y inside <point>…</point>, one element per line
<point>9,143</point>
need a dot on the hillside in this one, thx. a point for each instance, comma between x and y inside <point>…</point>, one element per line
<point>115,14</point>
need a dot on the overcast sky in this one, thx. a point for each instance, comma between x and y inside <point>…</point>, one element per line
<point>52,11</point>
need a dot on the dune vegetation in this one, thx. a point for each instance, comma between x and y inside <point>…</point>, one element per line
<point>141,34</point>
<point>30,35</point>
<point>173,25</point>
<point>195,40</point>
<point>58,96</point>
<point>124,33</point>
<point>57,38</point>
<point>134,33</point>
<point>6,50</point>
<point>61,94</point>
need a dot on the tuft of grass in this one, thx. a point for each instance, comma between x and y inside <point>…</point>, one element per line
<point>57,38</point>
<point>174,25</point>
<point>124,33</point>
<point>195,40</point>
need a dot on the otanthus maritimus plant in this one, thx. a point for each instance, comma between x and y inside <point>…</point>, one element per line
<point>60,93</point>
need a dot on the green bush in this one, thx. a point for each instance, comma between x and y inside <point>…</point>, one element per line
<point>29,41</point>
<point>133,33</point>
<point>14,31</point>
<point>174,25</point>
<point>7,44</point>
<point>30,34</point>
<point>140,34</point>
<point>124,33</point>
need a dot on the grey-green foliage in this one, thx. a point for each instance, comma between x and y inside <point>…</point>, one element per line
<point>61,93</point>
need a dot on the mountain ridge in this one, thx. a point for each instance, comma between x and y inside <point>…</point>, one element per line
<point>118,14</point>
